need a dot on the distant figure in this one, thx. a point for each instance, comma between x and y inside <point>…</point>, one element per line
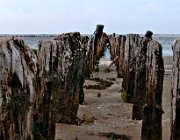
<point>148,35</point>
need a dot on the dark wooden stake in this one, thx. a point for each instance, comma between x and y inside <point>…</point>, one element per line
<point>152,110</point>
<point>130,66</point>
<point>140,79</point>
<point>117,46</point>
<point>48,88</point>
<point>72,63</point>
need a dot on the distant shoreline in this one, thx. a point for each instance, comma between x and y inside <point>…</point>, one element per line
<point>28,35</point>
<point>166,40</point>
<point>54,35</point>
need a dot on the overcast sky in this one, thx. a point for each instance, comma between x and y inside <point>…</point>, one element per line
<point>119,16</point>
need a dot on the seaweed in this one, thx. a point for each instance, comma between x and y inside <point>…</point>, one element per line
<point>103,84</point>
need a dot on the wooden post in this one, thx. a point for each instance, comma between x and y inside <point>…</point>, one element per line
<point>72,71</point>
<point>113,46</point>
<point>60,68</point>
<point>130,66</point>
<point>117,47</point>
<point>152,110</point>
<point>99,41</point>
<point>140,79</point>
<point>49,81</point>
<point>17,89</point>
<point>114,51</point>
<point>122,43</point>
<point>175,100</point>
<point>86,69</point>
<point>89,57</point>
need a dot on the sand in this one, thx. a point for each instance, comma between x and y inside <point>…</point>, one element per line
<point>108,113</point>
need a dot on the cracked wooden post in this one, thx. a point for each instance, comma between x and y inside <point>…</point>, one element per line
<point>117,47</point>
<point>85,67</point>
<point>152,110</point>
<point>122,43</point>
<point>72,70</point>
<point>49,79</point>
<point>90,57</point>
<point>175,99</point>
<point>17,89</point>
<point>59,74</point>
<point>130,66</point>
<point>140,78</point>
<point>113,46</point>
<point>98,46</point>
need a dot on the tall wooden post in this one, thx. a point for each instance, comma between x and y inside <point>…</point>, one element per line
<point>114,46</point>
<point>98,46</point>
<point>175,91</point>
<point>49,81</point>
<point>89,57</point>
<point>152,110</point>
<point>117,48</point>
<point>72,71</point>
<point>86,69</point>
<point>122,43</point>
<point>140,79</point>
<point>17,89</point>
<point>59,79</point>
<point>130,66</point>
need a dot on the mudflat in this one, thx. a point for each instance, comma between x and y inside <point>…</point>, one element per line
<point>105,114</point>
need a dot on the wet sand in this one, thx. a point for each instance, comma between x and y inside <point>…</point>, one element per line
<point>108,113</point>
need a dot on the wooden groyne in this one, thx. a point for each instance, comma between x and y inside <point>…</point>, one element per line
<point>175,99</point>
<point>39,90</point>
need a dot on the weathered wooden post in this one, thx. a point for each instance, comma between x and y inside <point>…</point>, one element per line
<point>130,66</point>
<point>114,50</point>
<point>98,46</point>
<point>101,47</point>
<point>49,79</point>
<point>175,91</point>
<point>122,43</point>
<point>59,74</point>
<point>113,42</point>
<point>86,69</point>
<point>140,79</point>
<point>140,76</point>
<point>72,70</point>
<point>90,57</point>
<point>152,110</point>
<point>17,89</point>
<point>117,47</point>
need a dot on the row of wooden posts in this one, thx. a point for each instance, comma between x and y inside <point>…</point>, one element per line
<point>141,66</point>
<point>38,90</point>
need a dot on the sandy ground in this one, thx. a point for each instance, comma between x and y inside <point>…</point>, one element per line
<point>108,113</point>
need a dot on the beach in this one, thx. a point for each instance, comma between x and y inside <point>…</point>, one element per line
<point>108,113</point>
